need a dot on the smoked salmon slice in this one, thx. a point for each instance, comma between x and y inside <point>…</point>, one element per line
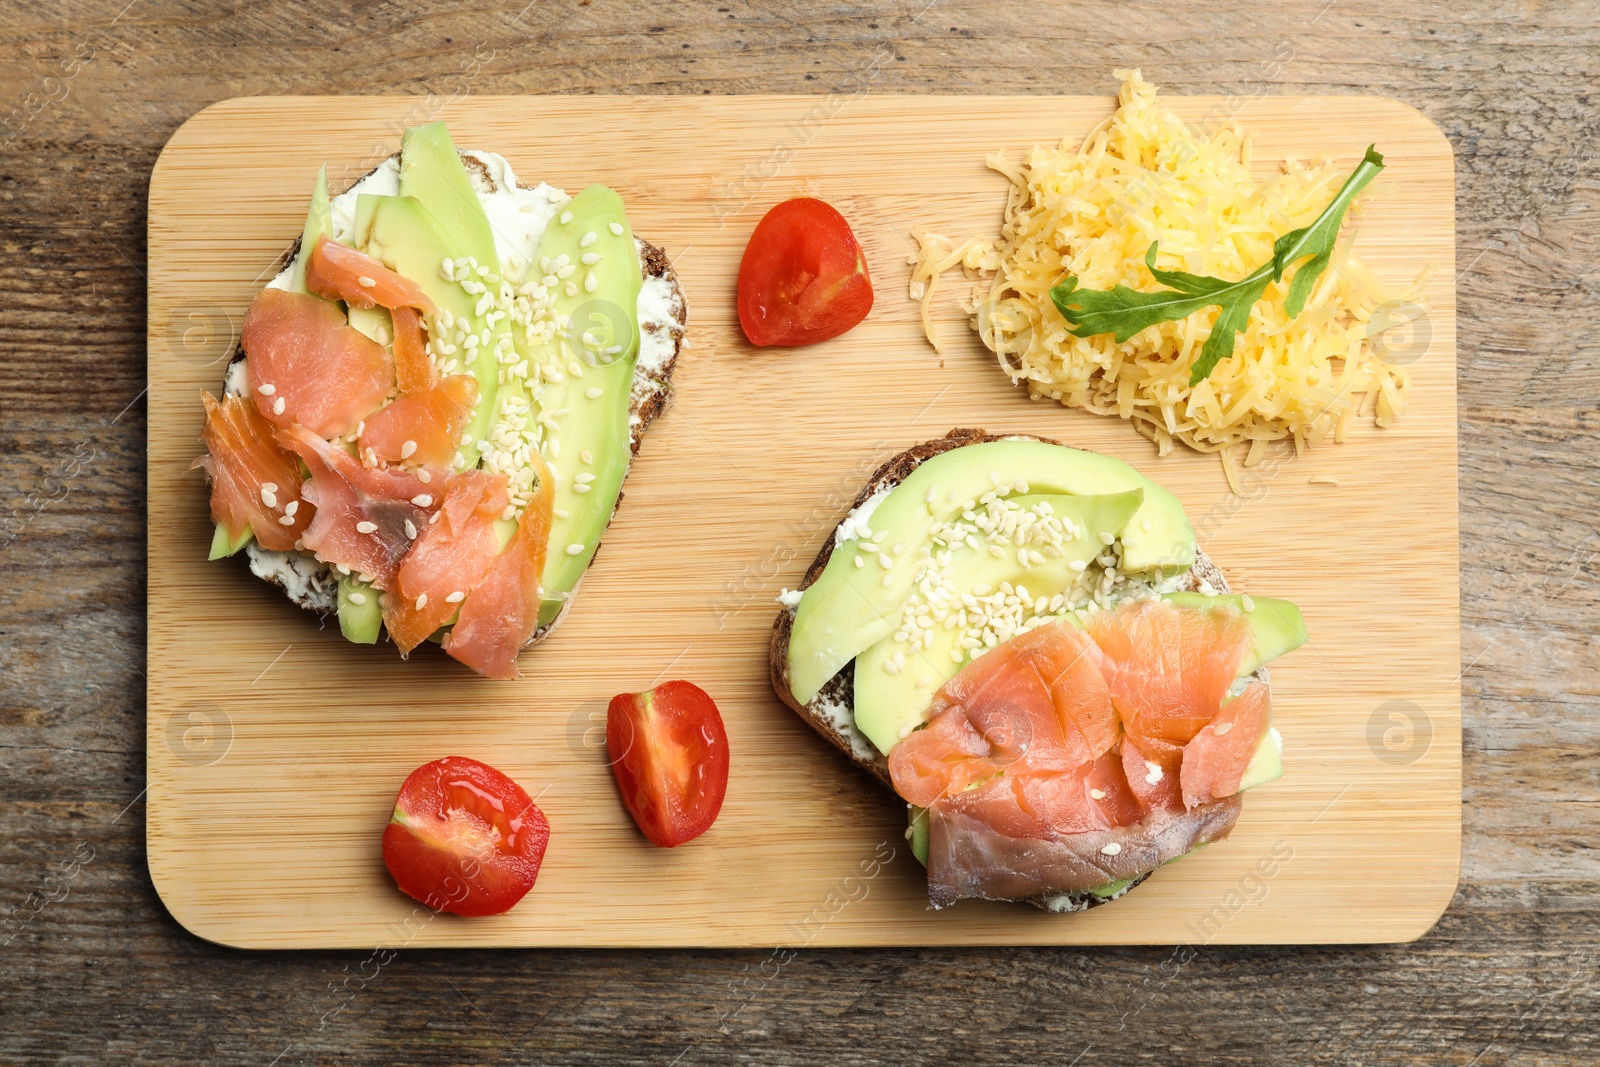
<point>449,557</point>
<point>1036,703</point>
<point>412,367</point>
<point>501,613</point>
<point>307,365</point>
<point>1169,667</point>
<point>1066,759</point>
<point>339,272</point>
<point>422,428</point>
<point>254,483</point>
<point>366,517</point>
<point>1215,761</point>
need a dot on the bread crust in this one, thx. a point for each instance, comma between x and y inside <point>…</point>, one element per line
<point>822,712</point>
<point>652,390</point>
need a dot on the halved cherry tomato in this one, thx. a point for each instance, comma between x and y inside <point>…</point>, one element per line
<point>464,838</point>
<point>669,752</point>
<point>803,278</point>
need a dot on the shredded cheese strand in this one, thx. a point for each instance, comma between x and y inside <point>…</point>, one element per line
<point>1144,175</point>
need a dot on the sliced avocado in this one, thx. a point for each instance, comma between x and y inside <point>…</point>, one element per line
<point>1278,626</point>
<point>432,174</point>
<point>319,222</point>
<point>360,616</point>
<point>431,170</point>
<point>374,322</point>
<point>920,832</point>
<point>889,700</point>
<point>587,387</point>
<point>1266,764</point>
<point>850,609</point>
<point>403,234</point>
<point>1111,889</point>
<point>224,545</point>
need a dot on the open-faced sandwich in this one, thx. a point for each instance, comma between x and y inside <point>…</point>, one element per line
<point>433,405</point>
<point>1025,643</point>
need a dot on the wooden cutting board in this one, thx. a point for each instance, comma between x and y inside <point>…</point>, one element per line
<point>276,749</point>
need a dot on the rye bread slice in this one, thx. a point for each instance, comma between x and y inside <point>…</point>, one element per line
<point>312,584</point>
<point>832,712</point>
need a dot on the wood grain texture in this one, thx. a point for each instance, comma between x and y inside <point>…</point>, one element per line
<point>96,971</point>
<point>250,707</point>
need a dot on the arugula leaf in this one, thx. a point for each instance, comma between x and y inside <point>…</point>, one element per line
<point>1124,312</point>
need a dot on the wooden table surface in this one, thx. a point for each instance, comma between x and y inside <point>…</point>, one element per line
<point>93,969</point>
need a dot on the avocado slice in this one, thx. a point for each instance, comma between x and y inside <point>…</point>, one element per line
<point>374,322</point>
<point>431,170</point>
<point>888,700</point>
<point>1266,765</point>
<point>404,235</point>
<point>360,615</point>
<point>1278,626</point>
<point>585,399</point>
<point>224,545</point>
<point>920,832</point>
<point>850,609</point>
<point>433,176</point>
<point>319,221</point>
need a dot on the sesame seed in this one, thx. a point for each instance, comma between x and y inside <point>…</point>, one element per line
<point>408,449</point>
<point>560,513</point>
<point>423,476</point>
<point>266,388</point>
<point>357,598</point>
<point>411,529</point>
<point>277,406</point>
<point>1112,849</point>
<point>593,392</point>
<point>1248,601</point>
<point>566,217</point>
<point>615,228</point>
<point>267,496</point>
<point>290,508</point>
<point>1078,565</point>
<point>1097,794</point>
<point>580,488</point>
<point>435,518</point>
<point>422,500</point>
<point>455,598</point>
<point>589,259</point>
<point>1221,729</point>
<point>285,520</point>
<point>586,456</point>
<point>366,527</point>
<point>590,282</point>
<point>366,282</point>
<point>861,561</point>
<point>572,289</point>
<point>422,601</point>
<point>588,239</point>
<point>1107,538</point>
<point>575,549</point>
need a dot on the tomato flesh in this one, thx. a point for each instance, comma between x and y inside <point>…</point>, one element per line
<point>803,278</point>
<point>464,838</point>
<point>669,752</point>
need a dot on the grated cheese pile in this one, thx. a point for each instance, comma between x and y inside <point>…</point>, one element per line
<point>1142,176</point>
